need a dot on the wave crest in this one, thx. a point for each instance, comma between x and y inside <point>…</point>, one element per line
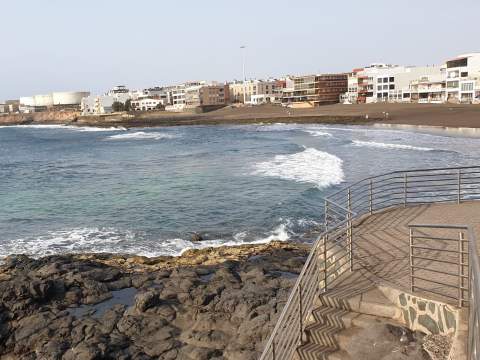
<point>375,144</point>
<point>309,166</point>
<point>141,135</point>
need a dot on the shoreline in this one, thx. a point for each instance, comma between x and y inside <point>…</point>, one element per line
<point>385,114</point>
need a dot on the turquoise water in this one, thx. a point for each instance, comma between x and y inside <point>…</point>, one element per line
<point>145,191</point>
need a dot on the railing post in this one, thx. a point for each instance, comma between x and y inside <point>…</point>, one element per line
<point>412,285</point>
<point>326,215</point>
<point>273,349</point>
<point>370,197</point>
<point>461,238</point>
<point>350,229</point>
<point>459,197</point>
<point>300,312</point>
<point>405,186</point>
<point>325,262</point>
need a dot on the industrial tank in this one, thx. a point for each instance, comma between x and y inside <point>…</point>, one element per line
<point>69,97</point>
<point>43,100</point>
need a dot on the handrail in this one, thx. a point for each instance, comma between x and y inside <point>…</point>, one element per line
<point>341,211</point>
<point>472,276</point>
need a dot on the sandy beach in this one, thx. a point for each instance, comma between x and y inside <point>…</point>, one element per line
<point>440,115</point>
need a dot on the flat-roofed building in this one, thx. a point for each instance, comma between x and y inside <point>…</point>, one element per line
<point>213,95</point>
<point>252,87</point>
<point>319,89</point>
<point>147,104</point>
<point>463,78</point>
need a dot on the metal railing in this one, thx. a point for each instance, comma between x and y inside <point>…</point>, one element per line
<point>455,263</point>
<point>333,252</point>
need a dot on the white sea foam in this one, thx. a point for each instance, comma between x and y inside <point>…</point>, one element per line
<point>318,133</point>
<point>141,135</point>
<point>309,166</point>
<point>109,240</point>
<point>381,145</point>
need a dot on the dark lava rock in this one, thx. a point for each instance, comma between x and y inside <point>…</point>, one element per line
<point>196,237</point>
<point>206,304</point>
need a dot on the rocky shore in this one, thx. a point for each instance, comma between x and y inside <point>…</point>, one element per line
<point>216,303</point>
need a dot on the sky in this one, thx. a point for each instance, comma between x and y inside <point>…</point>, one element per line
<point>92,45</point>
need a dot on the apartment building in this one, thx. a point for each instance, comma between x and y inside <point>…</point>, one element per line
<point>146,104</point>
<point>213,95</point>
<point>392,83</point>
<point>176,95</point>
<point>317,89</point>
<point>252,88</point>
<point>97,105</point>
<point>463,78</point>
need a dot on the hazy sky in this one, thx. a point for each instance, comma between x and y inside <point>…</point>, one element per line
<point>50,45</point>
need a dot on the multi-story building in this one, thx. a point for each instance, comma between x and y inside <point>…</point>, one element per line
<point>176,95</point>
<point>251,88</point>
<point>393,83</point>
<point>213,95</point>
<point>146,104</point>
<point>427,89</point>
<point>97,105</point>
<point>463,78</point>
<point>317,89</point>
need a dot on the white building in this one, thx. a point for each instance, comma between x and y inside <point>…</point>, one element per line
<point>177,95</point>
<point>251,88</point>
<point>97,105</point>
<point>146,104</point>
<point>393,83</point>
<point>463,78</point>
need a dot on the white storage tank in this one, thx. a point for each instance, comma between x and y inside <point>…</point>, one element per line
<point>69,97</point>
<point>43,100</point>
<point>27,101</point>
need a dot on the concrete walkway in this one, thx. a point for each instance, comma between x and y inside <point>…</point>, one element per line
<point>381,242</point>
<point>352,318</point>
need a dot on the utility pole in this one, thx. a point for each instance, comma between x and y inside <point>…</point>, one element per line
<point>243,47</point>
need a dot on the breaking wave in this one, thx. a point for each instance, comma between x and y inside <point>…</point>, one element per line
<point>318,133</point>
<point>309,166</point>
<point>110,240</point>
<point>374,144</point>
<point>141,135</point>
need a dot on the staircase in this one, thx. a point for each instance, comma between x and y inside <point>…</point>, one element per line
<point>354,306</point>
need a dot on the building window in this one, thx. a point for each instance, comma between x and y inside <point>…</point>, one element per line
<point>464,74</point>
<point>385,80</point>
<point>379,80</point>
<point>392,79</point>
<point>392,86</point>
<point>379,88</point>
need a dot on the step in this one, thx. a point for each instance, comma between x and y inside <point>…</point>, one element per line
<point>312,351</point>
<point>372,302</point>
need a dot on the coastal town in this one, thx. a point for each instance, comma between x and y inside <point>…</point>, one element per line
<point>455,80</point>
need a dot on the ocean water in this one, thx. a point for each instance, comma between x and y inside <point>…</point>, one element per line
<point>145,191</point>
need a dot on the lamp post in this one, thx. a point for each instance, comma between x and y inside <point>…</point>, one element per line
<point>243,74</point>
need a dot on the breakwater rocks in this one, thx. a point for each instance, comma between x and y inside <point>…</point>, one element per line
<point>216,303</point>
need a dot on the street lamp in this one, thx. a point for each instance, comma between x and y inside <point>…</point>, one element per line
<point>243,47</point>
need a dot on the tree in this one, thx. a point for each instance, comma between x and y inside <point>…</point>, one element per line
<point>118,106</point>
<point>128,105</point>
